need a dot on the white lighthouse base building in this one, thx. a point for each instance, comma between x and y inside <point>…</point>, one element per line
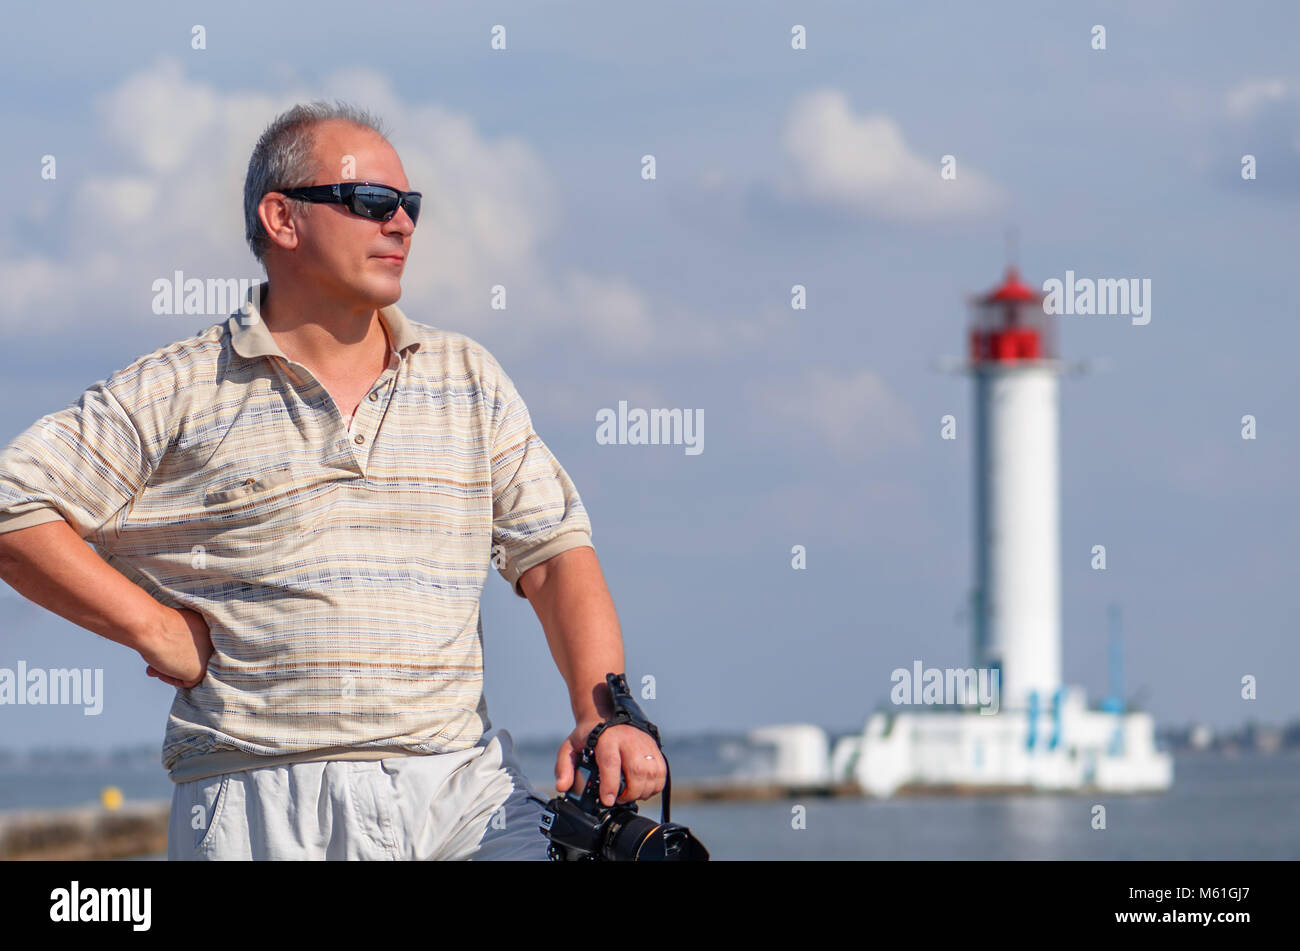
<point>1064,747</point>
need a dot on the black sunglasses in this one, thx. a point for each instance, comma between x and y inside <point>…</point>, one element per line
<point>367,199</point>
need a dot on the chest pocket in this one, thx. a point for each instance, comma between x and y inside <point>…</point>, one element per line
<point>265,502</point>
<point>238,519</point>
<point>268,485</point>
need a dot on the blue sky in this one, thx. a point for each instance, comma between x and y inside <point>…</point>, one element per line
<point>775,167</point>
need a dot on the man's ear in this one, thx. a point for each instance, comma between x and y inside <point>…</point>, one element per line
<point>277,218</point>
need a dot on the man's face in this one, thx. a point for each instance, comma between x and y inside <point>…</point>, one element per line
<point>352,256</point>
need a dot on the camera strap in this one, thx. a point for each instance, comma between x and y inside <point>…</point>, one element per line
<point>622,716</point>
<point>626,711</point>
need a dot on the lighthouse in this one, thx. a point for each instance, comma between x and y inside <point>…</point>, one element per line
<point>1042,735</point>
<point>1017,597</point>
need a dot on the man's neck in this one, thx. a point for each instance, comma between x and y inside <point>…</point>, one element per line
<point>326,337</point>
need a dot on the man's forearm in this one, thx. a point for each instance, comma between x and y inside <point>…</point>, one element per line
<point>573,603</point>
<point>51,565</point>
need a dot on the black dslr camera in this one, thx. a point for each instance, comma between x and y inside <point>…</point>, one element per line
<point>582,829</point>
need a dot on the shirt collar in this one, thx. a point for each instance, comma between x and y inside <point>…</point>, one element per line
<point>250,337</point>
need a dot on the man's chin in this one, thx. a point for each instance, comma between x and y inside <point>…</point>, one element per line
<point>382,291</point>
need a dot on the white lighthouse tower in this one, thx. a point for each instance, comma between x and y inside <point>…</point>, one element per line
<point>1041,734</point>
<point>1017,493</point>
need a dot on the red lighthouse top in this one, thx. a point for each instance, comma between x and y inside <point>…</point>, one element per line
<point>1008,323</point>
<point>1012,289</point>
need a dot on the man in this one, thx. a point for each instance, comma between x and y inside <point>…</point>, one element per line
<point>298,508</point>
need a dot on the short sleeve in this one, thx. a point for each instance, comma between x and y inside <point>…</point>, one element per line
<point>83,464</point>
<point>536,510</point>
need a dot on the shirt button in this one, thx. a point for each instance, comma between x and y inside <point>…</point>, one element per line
<point>358,439</point>
<point>374,395</point>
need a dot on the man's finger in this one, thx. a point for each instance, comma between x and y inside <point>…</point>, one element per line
<point>656,775</point>
<point>661,774</point>
<point>647,772</point>
<point>609,762</point>
<point>636,768</point>
<point>170,681</point>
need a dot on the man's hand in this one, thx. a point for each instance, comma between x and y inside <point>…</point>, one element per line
<point>621,749</point>
<point>179,654</point>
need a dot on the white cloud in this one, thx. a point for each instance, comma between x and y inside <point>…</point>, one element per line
<point>863,163</point>
<point>1247,98</point>
<point>613,311</point>
<point>852,414</point>
<point>1261,117</point>
<point>158,118</point>
<point>163,189</point>
<point>128,200</point>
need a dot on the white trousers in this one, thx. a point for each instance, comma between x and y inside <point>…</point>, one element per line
<point>470,804</point>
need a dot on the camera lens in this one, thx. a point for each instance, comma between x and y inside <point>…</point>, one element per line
<point>627,836</point>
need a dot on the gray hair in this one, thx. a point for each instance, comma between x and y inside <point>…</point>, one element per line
<point>284,158</point>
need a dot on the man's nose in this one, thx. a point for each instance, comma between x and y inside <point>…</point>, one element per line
<point>400,223</point>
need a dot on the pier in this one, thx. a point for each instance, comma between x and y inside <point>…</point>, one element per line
<point>85,832</point>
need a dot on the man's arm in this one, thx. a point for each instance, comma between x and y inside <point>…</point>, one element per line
<point>63,482</point>
<point>573,603</point>
<point>536,509</point>
<point>51,565</point>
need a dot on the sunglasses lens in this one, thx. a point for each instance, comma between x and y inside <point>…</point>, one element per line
<point>374,202</point>
<point>379,203</point>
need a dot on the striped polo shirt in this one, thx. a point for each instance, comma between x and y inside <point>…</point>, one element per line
<point>339,569</point>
